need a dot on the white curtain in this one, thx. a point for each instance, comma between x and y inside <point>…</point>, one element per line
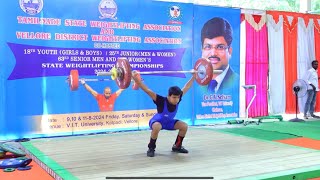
<point>277,94</point>
<point>242,97</point>
<point>306,53</point>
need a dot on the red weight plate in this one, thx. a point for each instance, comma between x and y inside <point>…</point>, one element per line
<point>124,73</point>
<point>74,79</point>
<point>204,71</point>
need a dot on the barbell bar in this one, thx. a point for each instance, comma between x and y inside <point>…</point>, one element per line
<point>94,80</point>
<point>122,73</point>
<point>114,74</point>
<point>74,75</point>
<point>157,72</point>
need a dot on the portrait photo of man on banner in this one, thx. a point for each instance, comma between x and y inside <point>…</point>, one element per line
<point>217,40</point>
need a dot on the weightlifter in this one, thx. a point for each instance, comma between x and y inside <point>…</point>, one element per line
<point>106,100</point>
<point>167,108</point>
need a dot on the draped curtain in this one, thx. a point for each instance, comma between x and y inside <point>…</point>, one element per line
<point>242,97</point>
<point>316,20</point>
<point>290,59</point>
<point>290,21</point>
<point>277,93</point>
<point>305,51</point>
<point>301,39</point>
<point>257,63</point>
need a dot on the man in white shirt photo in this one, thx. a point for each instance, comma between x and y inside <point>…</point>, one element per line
<point>311,78</point>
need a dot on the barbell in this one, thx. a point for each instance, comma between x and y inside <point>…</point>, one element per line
<point>122,73</point>
<point>73,80</point>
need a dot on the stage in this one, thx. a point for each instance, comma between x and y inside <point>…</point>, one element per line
<point>214,152</point>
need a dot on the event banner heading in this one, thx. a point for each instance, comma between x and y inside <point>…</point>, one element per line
<point>40,61</point>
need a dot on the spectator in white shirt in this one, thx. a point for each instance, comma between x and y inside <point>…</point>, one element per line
<point>311,77</point>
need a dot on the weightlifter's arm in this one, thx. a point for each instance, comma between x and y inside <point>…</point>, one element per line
<point>188,85</point>
<point>88,88</point>
<point>143,86</point>
<point>119,91</point>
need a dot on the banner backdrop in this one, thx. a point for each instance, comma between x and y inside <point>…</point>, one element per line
<point>217,38</point>
<point>42,40</point>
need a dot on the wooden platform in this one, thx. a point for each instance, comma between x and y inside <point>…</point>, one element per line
<point>211,154</point>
